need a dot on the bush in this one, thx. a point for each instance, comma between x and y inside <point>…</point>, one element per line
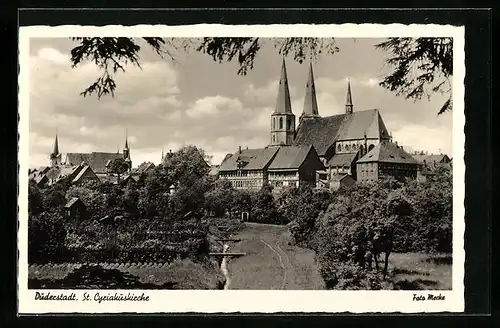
<point>46,238</point>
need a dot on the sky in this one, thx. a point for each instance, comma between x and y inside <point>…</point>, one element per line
<point>197,101</point>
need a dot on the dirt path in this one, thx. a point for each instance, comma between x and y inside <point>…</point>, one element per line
<point>271,263</point>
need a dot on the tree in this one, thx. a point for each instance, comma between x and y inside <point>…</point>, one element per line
<point>186,166</point>
<point>113,54</point>
<point>264,207</point>
<point>95,202</point>
<point>422,67</point>
<point>220,198</point>
<point>35,199</point>
<point>46,238</point>
<point>118,166</point>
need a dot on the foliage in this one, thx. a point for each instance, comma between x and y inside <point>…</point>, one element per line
<point>302,206</point>
<point>95,202</point>
<point>35,199</point>
<point>264,208</point>
<point>422,67</point>
<point>46,235</point>
<point>96,277</point>
<point>118,166</point>
<point>113,54</point>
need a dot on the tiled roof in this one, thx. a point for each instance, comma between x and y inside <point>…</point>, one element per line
<point>82,172</point>
<point>323,131</point>
<point>430,158</point>
<point>255,159</point>
<point>71,202</point>
<point>319,132</point>
<point>339,177</point>
<point>388,152</point>
<point>290,157</point>
<point>57,173</point>
<point>342,159</point>
<point>144,167</point>
<point>96,160</point>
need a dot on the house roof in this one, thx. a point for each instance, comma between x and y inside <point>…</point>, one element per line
<point>255,159</point>
<point>60,172</point>
<point>430,158</point>
<point>72,202</point>
<point>340,177</point>
<point>82,172</point>
<point>342,159</point>
<point>96,160</point>
<point>323,131</point>
<point>290,157</point>
<point>388,152</point>
<point>144,167</point>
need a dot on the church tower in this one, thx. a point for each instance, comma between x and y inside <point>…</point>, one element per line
<point>55,157</point>
<point>282,119</point>
<point>126,152</point>
<point>310,108</point>
<point>348,104</point>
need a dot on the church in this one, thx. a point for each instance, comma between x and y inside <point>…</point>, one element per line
<point>318,148</point>
<point>99,162</point>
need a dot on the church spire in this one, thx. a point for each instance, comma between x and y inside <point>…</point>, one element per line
<point>162,155</point>
<point>56,146</point>
<point>348,104</point>
<point>283,103</point>
<point>310,103</point>
<point>126,139</point>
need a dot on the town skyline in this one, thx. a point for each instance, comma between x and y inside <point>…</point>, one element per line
<point>165,106</point>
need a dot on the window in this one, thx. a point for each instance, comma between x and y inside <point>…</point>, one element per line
<point>289,124</point>
<point>371,147</point>
<point>274,122</point>
<point>274,138</point>
<point>281,123</point>
<point>339,147</point>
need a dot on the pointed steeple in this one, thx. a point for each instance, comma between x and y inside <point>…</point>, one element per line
<point>348,103</point>
<point>56,146</point>
<point>310,103</point>
<point>126,139</point>
<point>283,103</point>
<point>162,155</point>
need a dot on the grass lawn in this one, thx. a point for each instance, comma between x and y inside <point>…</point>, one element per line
<point>416,271</point>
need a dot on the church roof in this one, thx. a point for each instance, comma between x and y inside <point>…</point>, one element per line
<point>319,132</point>
<point>322,132</point>
<point>290,157</point>
<point>342,159</point>
<point>57,173</point>
<point>388,152</point>
<point>96,160</point>
<point>255,159</point>
<point>82,172</point>
<point>283,102</point>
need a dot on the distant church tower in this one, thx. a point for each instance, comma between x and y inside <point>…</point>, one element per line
<point>126,153</point>
<point>348,104</point>
<point>55,157</point>
<point>310,108</point>
<point>283,119</point>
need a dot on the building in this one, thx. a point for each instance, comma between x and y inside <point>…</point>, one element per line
<point>432,161</point>
<point>294,166</point>
<point>75,174</point>
<point>75,210</point>
<point>247,168</point>
<point>338,141</point>
<point>341,181</point>
<point>99,162</point>
<point>385,160</point>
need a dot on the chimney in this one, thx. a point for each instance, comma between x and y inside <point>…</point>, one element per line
<point>396,144</point>
<point>239,149</point>
<point>247,147</point>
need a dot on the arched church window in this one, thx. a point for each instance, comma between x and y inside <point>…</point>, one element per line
<point>281,123</point>
<point>354,147</point>
<point>339,147</point>
<point>362,150</point>
<point>274,122</point>
<point>371,147</point>
<point>274,139</point>
<point>289,124</point>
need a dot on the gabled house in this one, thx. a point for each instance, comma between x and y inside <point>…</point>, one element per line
<point>294,166</point>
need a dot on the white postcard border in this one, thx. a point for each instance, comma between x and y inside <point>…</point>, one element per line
<point>230,301</point>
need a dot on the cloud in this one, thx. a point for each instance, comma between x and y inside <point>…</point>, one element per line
<point>201,103</point>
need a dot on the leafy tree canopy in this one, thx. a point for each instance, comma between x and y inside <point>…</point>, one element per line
<point>421,66</point>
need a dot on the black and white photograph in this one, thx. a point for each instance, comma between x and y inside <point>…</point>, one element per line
<point>241,167</point>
